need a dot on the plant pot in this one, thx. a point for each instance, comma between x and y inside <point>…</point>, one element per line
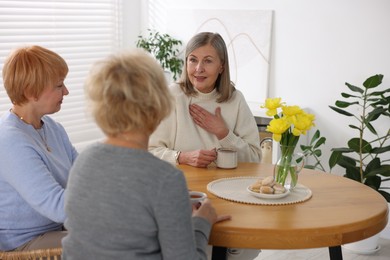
<point>366,246</point>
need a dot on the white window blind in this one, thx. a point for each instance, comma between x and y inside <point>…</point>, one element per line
<point>80,31</point>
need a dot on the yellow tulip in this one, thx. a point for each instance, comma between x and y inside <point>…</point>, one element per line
<point>302,123</point>
<point>278,126</point>
<point>289,124</point>
<point>291,111</point>
<point>272,104</point>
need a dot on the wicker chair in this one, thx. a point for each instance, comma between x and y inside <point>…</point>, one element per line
<point>39,254</point>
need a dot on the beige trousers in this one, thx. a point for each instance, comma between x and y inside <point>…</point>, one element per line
<point>47,240</point>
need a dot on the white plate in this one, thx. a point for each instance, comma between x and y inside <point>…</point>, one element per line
<point>267,196</point>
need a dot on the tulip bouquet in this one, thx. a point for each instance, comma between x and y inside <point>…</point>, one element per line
<point>287,125</point>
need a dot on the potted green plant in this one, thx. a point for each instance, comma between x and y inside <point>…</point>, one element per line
<point>165,49</point>
<point>363,159</point>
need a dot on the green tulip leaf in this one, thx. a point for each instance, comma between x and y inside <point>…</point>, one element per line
<point>320,142</point>
<point>315,136</point>
<point>304,147</point>
<point>317,153</point>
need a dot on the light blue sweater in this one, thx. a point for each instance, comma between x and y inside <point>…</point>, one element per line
<point>32,180</point>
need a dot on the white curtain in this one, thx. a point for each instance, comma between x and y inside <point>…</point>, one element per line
<point>80,31</point>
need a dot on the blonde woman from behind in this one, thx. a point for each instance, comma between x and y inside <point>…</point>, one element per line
<point>123,202</point>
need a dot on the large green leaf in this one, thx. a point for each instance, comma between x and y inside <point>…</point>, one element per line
<point>380,93</point>
<point>343,112</point>
<point>371,166</point>
<point>384,170</point>
<point>370,127</point>
<point>374,182</point>
<point>381,102</point>
<point>346,95</point>
<point>377,150</point>
<point>343,104</point>
<point>353,173</point>
<point>355,127</point>
<point>354,88</point>
<point>373,81</point>
<point>374,114</point>
<point>343,150</point>
<point>385,194</point>
<point>354,144</point>
<point>334,158</point>
<point>373,101</point>
<point>347,162</point>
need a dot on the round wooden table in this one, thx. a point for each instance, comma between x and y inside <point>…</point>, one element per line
<point>340,211</point>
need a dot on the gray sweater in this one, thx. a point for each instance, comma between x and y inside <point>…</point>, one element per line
<point>127,204</point>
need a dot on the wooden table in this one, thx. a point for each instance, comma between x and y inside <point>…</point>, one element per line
<point>340,211</point>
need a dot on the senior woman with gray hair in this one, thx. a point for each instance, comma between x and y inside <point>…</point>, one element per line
<point>123,202</point>
<point>209,111</point>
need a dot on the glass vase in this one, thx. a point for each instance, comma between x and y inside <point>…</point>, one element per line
<point>288,167</point>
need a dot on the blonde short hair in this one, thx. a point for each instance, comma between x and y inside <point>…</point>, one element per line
<point>27,71</point>
<point>223,84</point>
<point>128,91</point>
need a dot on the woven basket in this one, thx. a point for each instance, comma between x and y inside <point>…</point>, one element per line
<point>39,254</point>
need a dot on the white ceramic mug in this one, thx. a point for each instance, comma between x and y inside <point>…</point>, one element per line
<point>226,158</point>
<point>197,197</point>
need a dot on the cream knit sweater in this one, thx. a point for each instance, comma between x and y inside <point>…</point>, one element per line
<point>178,132</point>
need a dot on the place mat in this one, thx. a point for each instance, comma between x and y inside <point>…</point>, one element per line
<point>234,189</point>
